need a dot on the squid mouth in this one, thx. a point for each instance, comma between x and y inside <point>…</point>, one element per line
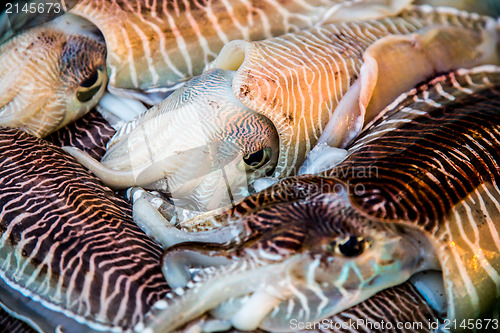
<point>246,295</point>
<point>250,271</point>
<point>266,292</point>
<point>205,283</point>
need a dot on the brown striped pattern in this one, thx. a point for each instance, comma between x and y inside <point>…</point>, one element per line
<point>434,162</point>
<point>430,163</point>
<point>297,80</point>
<point>90,133</point>
<point>158,43</point>
<point>69,243</point>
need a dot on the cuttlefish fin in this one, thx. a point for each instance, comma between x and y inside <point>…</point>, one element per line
<point>114,179</point>
<point>396,64</point>
<point>363,10</point>
<point>469,257</point>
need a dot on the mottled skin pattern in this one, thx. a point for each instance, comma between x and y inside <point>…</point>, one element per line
<point>49,78</point>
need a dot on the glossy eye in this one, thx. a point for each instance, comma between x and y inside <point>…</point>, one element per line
<point>90,86</point>
<point>257,159</point>
<point>351,246</point>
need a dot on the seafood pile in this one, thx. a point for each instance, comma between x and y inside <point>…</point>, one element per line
<point>265,166</point>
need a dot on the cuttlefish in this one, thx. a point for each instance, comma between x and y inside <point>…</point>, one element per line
<point>53,73</point>
<point>50,77</point>
<point>71,258</point>
<point>262,106</point>
<point>418,192</point>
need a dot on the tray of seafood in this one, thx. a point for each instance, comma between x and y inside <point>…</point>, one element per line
<point>250,166</point>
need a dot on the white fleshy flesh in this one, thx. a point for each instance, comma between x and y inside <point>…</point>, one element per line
<point>254,311</point>
<point>119,109</point>
<point>430,285</point>
<point>322,158</point>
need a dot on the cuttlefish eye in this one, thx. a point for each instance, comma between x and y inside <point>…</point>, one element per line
<point>256,160</point>
<point>351,246</point>
<point>91,85</point>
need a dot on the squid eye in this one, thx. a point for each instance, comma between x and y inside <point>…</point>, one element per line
<point>352,246</point>
<point>90,86</point>
<point>256,160</point>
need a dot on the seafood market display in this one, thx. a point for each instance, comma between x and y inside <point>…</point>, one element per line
<point>285,91</point>
<point>417,192</point>
<point>320,166</point>
<point>51,77</point>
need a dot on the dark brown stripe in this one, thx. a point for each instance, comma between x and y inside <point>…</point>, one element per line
<point>52,208</point>
<point>425,166</point>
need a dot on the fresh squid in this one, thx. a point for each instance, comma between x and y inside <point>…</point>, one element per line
<point>52,74</point>
<point>319,85</point>
<point>417,193</point>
